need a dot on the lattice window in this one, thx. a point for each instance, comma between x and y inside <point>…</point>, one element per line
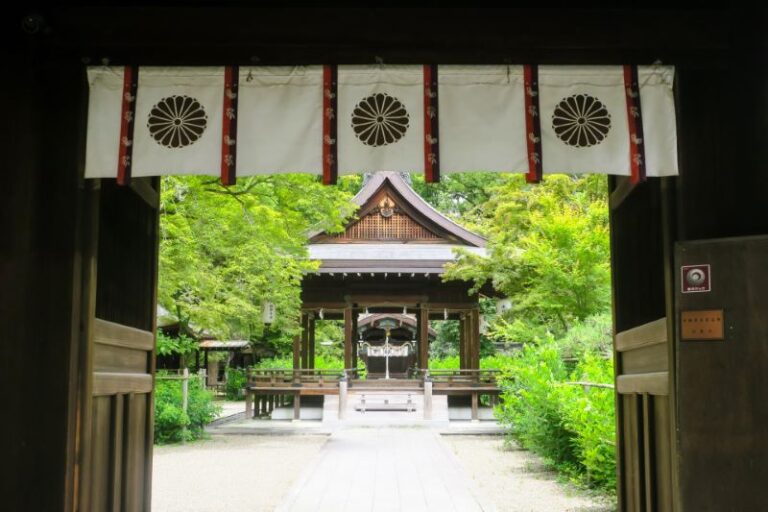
<point>397,226</point>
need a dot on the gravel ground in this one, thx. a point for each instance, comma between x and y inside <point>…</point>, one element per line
<point>238,473</point>
<point>516,480</point>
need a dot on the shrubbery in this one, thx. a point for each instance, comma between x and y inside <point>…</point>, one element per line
<point>235,384</point>
<point>321,363</point>
<point>172,424</point>
<point>572,427</point>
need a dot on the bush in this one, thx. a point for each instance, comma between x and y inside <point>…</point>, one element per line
<point>573,428</point>
<point>172,424</point>
<point>321,363</point>
<point>235,384</point>
<point>590,414</point>
<point>530,407</point>
<point>496,362</point>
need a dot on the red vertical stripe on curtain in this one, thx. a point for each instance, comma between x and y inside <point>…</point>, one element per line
<point>127,116</point>
<point>431,125</point>
<point>635,122</point>
<point>229,126</point>
<point>532,124</point>
<point>330,110</point>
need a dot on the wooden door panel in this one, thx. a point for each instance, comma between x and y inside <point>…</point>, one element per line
<point>120,445</point>
<point>642,383</point>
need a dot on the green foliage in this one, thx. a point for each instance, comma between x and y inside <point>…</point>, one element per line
<point>333,331</point>
<point>321,363</point>
<point>572,427</point>
<point>590,414</point>
<point>444,363</point>
<point>172,424</point>
<point>235,384</point>
<point>548,249</point>
<point>182,345</point>
<point>594,335</point>
<point>446,342</point>
<point>495,362</point>
<point>224,250</point>
<point>462,196</point>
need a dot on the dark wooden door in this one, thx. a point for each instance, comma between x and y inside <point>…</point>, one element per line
<point>116,471</point>
<point>641,254</point>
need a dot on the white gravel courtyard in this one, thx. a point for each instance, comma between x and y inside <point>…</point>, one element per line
<point>229,472</point>
<point>291,472</point>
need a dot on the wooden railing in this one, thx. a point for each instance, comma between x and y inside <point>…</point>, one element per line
<point>276,378</point>
<point>460,378</point>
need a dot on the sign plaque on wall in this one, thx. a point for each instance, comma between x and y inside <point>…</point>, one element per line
<point>695,279</point>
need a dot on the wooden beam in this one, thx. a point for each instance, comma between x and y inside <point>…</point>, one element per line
<point>348,337</point>
<point>424,338</point>
<point>652,333</point>
<point>143,188</point>
<point>110,383</point>
<point>623,188</point>
<point>327,306</point>
<point>653,383</point>
<point>117,335</point>
<point>385,299</point>
<point>452,307</point>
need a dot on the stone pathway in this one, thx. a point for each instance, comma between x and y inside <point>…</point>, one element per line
<point>384,469</point>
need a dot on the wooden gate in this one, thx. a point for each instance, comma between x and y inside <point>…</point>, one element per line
<point>117,428</point>
<point>642,384</point>
<point>641,255</point>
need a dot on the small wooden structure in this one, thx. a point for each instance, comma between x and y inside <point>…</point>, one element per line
<point>383,277</point>
<point>389,260</point>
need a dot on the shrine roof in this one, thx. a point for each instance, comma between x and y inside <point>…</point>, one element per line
<point>396,230</point>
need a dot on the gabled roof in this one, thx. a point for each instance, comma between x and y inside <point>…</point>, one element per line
<point>396,232</point>
<point>419,210</point>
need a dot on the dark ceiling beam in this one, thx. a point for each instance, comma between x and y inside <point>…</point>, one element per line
<point>223,33</point>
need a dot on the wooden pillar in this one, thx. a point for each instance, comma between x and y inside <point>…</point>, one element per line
<point>474,334</point>
<point>474,407</point>
<point>424,338</point>
<point>311,349</point>
<point>355,335</point>
<point>348,336</point>
<point>296,406</point>
<point>297,352</point>
<point>343,398</point>
<point>462,342</point>
<point>418,339</point>
<point>249,403</point>
<point>304,340</point>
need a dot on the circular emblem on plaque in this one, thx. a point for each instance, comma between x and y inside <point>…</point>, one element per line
<point>379,119</point>
<point>177,121</point>
<point>695,277</point>
<point>581,121</point>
